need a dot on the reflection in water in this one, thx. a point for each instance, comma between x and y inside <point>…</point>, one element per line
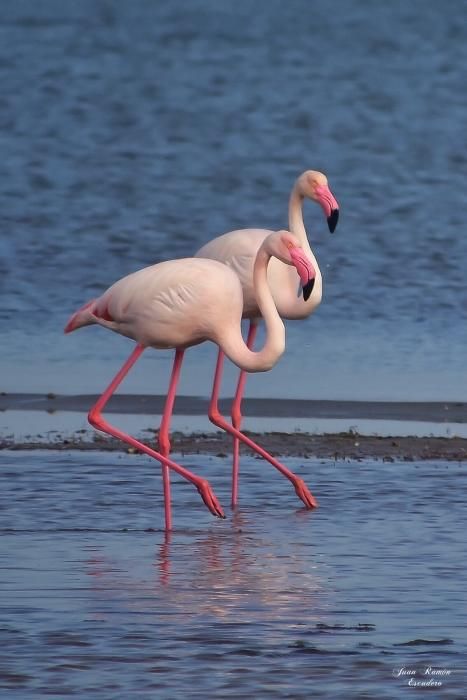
<point>163,561</point>
<point>228,574</point>
<point>269,603</point>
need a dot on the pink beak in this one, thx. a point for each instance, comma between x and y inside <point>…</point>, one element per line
<point>305,269</point>
<point>329,204</point>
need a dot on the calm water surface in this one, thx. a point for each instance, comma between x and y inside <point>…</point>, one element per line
<point>273,602</point>
<point>134,132</point>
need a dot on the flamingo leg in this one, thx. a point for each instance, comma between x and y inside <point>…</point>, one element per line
<point>236,415</point>
<point>215,417</point>
<point>163,438</point>
<point>97,421</point>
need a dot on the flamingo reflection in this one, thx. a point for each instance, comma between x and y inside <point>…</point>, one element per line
<point>224,574</point>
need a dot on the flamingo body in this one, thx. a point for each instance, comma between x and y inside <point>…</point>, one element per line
<point>238,250</point>
<point>174,304</point>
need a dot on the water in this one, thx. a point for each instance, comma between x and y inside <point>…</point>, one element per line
<point>135,132</point>
<point>132,133</point>
<point>273,602</point>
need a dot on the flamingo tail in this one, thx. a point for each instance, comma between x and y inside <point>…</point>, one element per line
<point>83,317</point>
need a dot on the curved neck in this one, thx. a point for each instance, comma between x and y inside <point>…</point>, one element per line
<point>296,224</point>
<point>233,344</point>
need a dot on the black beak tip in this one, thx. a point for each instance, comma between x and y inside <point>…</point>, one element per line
<point>308,288</point>
<point>333,219</point>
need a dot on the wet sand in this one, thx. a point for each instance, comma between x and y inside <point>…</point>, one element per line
<point>339,445</point>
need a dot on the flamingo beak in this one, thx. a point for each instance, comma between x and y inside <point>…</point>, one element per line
<point>305,270</point>
<point>329,205</point>
<point>307,289</point>
<point>332,219</point>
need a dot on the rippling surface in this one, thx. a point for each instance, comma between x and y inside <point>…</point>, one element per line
<point>272,602</point>
<point>134,132</point>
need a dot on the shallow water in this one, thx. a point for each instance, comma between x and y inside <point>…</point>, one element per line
<point>135,132</point>
<point>273,602</point>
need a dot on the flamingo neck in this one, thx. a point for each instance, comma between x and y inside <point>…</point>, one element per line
<point>274,345</point>
<point>296,224</point>
<point>235,347</point>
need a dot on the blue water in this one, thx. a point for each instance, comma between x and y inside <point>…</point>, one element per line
<point>133,132</point>
<point>273,602</point>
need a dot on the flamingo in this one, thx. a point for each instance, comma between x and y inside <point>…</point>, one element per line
<point>180,303</point>
<point>238,249</point>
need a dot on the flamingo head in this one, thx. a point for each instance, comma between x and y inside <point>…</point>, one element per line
<point>291,252</point>
<point>314,185</point>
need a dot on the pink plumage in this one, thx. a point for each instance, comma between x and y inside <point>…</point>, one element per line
<point>180,303</point>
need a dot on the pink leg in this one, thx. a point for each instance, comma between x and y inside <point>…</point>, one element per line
<point>236,414</point>
<point>215,417</point>
<point>96,420</point>
<point>164,439</point>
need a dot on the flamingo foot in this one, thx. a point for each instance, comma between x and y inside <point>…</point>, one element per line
<point>210,500</point>
<point>303,492</point>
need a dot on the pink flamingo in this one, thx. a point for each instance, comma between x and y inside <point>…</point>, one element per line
<point>238,249</point>
<point>180,303</point>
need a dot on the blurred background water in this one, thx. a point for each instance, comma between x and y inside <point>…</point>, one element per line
<point>133,132</point>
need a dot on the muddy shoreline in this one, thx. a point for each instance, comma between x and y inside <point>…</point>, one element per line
<point>339,446</point>
<point>330,444</point>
